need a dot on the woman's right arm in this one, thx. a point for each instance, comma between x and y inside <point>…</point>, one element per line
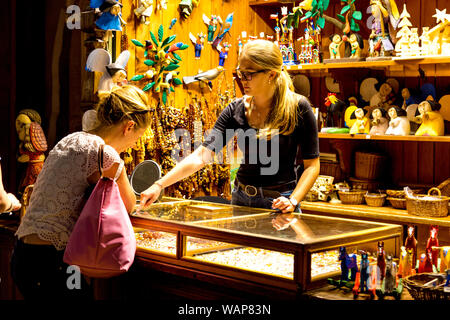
<point>191,164</point>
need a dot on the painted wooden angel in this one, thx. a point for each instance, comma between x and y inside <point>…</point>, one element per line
<point>379,121</point>
<point>32,145</point>
<point>211,23</point>
<point>432,122</point>
<point>399,124</point>
<point>385,14</point>
<point>113,73</point>
<point>224,53</point>
<point>144,11</point>
<point>111,14</point>
<point>198,43</point>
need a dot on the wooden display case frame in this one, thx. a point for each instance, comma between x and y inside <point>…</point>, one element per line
<point>182,264</point>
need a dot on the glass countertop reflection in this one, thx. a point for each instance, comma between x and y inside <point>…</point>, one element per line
<point>301,228</point>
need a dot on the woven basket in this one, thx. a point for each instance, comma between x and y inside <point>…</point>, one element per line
<point>400,193</point>
<point>375,199</point>
<point>445,188</point>
<point>369,165</point>
<point>352,197</point>
<point>415,285</point>
<point>331,169</point>
<point>397,203</point>
<point>369,185</point>
<point>425,207</point>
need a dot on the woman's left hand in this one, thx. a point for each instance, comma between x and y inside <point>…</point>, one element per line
<point>283,204</point>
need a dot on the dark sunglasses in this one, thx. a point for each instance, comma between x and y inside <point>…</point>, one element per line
<point>247,76</point>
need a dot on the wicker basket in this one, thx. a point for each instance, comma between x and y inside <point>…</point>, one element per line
<point>375,199</point>
<point>331,169</point>
<point>415,285</point>
<point>352,197</point>
<point>445,188</point>
<point>400,193</point>
<point>368,185</point>
<point>369,165</point>
<point>423,206</point>
<point>397,203</point>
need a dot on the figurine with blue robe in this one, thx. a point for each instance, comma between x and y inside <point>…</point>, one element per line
<point>198,43</point>
<point>224,53</point>
<point>111,15</point>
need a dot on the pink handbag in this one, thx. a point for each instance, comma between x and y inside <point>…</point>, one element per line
<point>102,243</point>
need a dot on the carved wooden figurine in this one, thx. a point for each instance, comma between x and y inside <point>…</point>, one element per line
<point>399,124</point>
<point>336,41</point>
<point>32,145</point>
<point>432,121</point>
<point>433,242</point>
<point>379,121</point>
<point>362,124</point>
<point>357,44</point>
<point>411,243</point>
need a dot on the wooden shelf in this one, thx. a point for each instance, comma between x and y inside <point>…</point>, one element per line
<point>267,3</point>
<point>395,63</point>
<point>348,136</point>
<point>385,214</point>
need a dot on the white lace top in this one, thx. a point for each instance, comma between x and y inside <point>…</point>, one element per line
<point>58,194</point>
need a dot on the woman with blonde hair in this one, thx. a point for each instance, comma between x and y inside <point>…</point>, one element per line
<point>60,192</point>
<point>271,122</point>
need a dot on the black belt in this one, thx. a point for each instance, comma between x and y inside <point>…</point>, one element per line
<point>266,192</point>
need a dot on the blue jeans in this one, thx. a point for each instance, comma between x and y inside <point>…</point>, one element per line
<point>240,198</point>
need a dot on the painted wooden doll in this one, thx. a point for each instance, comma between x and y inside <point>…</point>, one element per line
<point>433,242</point>
<point>379,121</point>
<point>362,124</point>
<point>432,121</point>
<point>32,145</point>
<point>356,44</point>
<point>336,41</point>
<point>399,124</point>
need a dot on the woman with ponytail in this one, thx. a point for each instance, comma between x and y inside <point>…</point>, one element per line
<point>59,194</point>
<point>272,124</point>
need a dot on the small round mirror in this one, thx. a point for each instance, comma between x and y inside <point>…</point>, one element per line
<point>144,175</point>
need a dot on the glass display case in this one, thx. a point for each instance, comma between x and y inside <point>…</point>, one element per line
<point>289,251</point>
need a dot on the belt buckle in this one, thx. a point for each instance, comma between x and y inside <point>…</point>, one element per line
<point>250,194</point>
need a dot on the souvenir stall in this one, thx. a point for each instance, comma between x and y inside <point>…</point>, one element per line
<point>376,223</point>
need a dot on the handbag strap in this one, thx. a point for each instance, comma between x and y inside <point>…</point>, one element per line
<point>100,159</point>
<point>100,163</point>
<point>119,170</point>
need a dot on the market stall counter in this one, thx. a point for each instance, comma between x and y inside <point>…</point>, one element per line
<point>252,249</point>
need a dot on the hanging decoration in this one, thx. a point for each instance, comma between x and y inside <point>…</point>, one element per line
<point>225,28</point>
<point>162,61</point>
<point>186,7</point>
<point>112,73</point>
<point>145,9</point>
<point>224,53</point>
<point>110,14</point>
<point>198,43</point>
<point>211,23</point>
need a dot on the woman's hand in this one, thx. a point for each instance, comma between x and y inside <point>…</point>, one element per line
<point>15,204</point>
<point>283,204</point>
<point>150,195</point>
<point>283,221</point>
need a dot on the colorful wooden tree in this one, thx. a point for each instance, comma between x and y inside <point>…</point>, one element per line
<point>162,62</point>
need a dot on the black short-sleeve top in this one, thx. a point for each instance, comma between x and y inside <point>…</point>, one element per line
<point>265,162</point>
